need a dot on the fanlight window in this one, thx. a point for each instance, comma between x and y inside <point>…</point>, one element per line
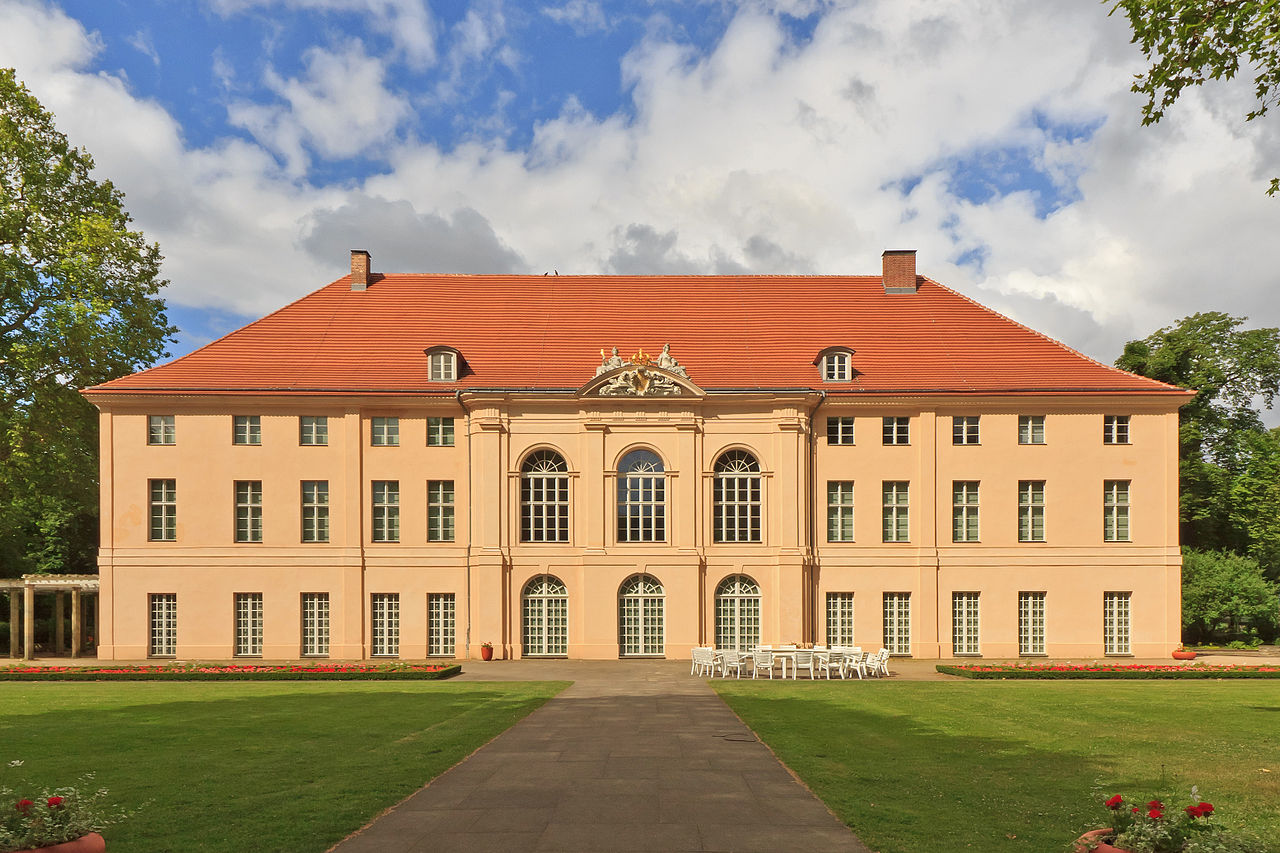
<point>641,614</point>
<point>737,497</point>
<point>544,498</point>
<point>738,613</point>
<point>642,496</point>
<point>443,365</point>
<point>546,617</point>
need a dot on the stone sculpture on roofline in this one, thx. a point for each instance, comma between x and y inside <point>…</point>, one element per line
<point>637,377</point>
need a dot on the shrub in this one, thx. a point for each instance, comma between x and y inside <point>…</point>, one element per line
<point>1225,598</point>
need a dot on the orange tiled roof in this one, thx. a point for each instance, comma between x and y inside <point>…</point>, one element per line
<point>546,332</point>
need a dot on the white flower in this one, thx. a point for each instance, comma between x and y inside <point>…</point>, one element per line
<point>17,762</point>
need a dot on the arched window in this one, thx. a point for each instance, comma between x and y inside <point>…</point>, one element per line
<point>641,613</point>
<point>443,364</point>
<point>835,366</point>
<point>545,617</point>
<point>544,498</point>
<point>737,613</point>
<point>737,497</point>
<point>642,498</point>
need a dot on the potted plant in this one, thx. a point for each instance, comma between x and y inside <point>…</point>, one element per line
<point>486,651</point>
<point>1148,827</point>
<point>1183,654</point>
<point>62,820</point>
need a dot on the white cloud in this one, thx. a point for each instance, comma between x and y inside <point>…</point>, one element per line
<point>583,16</point>
<point>141,41</point>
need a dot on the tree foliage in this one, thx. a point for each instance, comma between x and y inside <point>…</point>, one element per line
<point>1191,41</point>
<point>1225,598</point>
<point>79,305</point>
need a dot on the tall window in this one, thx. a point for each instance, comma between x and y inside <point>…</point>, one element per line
<point>642,498</point>
<point>444,366</point>
<point>1115,623</point>
<point>315,624</point>
<point>1031,623</point>
<point>839,510</point>
<point>641,617</point>
<point>897,622</point>
<point>164,510</point>
<point>1030,429</point>
<point>386,510</point>
<point>840,430</point>
<point>384,623</point>
<point>1115,510</point>
<point>964,623</point>
<point>249,624</point>
<point>440,510</point>
<point>163,609</point>
<point>897,431</point>
<point>313,430</point>
<point>1115,429</point>
<point>246,429</point>
<point>439,432</point>
<point>835,367</point>
<point>1031,510</point>
<point>839,619</point>
<point>897,497</point>
<point>964,511</point>
<point>315,510</point>
<point>441,624</point>
<point>545,617</point>
<point>738,613</point>
<point>964,430</point>
<point>161,430</point>
<point>248,510</point>
<point>544,498</point>
<point>737,497</point>
<point>384,432</point>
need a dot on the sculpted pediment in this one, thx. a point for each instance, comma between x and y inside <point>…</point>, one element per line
<point>640,376</point>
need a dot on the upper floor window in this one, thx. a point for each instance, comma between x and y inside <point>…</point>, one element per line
<point>160,430</point>
<point>443,364</point>
<point>836,366</point>
<point>544,498</point>
<point>313,430</point>
<point>1115,510</point>
<point>840,430</point>
<point>246,429</point>
<point>1115,429</point>
<point>384,432</point>
<point>386,510</point>
<point>737,497</point>
<point>897,430</point>
<point>642,498</point>
<point>964,429</point>
<point>439,432</point>
<point>164,510</point>
<point>1030,429</point>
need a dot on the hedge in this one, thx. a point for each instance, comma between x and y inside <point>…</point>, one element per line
<point>1134,671</point>
<point>194,672</point>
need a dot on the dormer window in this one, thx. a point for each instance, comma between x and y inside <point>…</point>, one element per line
<point>836,365</point>
<point>443,364</point>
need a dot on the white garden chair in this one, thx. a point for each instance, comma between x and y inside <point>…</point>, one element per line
<point>831,660</point>
<point>704,661</point>
<point>761,661</point>
<point>732,660</point>
<point>803,660</point>
<point>855,661</point>
<point>878,663</point>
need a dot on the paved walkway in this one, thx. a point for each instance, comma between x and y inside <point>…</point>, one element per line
<point>635,755</point>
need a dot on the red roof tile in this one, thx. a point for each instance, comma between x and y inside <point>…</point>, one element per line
<point>546,332</point>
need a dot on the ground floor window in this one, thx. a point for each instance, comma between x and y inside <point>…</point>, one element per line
<point>964,623</point>
<point>249,624</point>
<point>164,624</point>
<point>1115,623</point>
<point>385,623</point>
<point>840,619</point>
<point>641,615</point>
<point>545,617</point>
<point>897,622</point>
<point>1031,623</point>
<point>441,624</point>
<point>738,613</point>
<point>315,624</point>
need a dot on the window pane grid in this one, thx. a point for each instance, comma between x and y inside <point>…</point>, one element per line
<point>386,510</point>
<point>1115,623</point>
<point>897,430</point>
<point>1031,429</point>
<point>964,511</point>
<point>896,511</point>
<point>248,624</point>
<point>315,510</point>
<point>440,511</point>
<point>839,510</point>
<point>1115,509</point>
<point>164,624</point>
<point>836,367</point>
<point>443,366</point>
<point>313,430</point>
<point>441,624</point>
<point>1031,623</point>
<point>1115,429</point>
<point>385,623</point>
<point>641,606</point>
<point>247,429</point>
<point>897,622</point>
<point>737,613</point>
<point>315,624</point>
<point>384,432</point>
<point>964,430</point>
<point>840,430</point>
<point>964,623</point>
<point>840,619</point>
<point>1031,510</point>
<point>439,432</point>
<point>164,510</point>
<point>248,510</point>
<point>545,618</point>
<point>161,430</point>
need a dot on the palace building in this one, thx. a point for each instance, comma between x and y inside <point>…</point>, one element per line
<point>598,467</point>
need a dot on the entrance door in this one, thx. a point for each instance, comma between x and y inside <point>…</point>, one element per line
<point>546,617</point>
<point>641,617</point>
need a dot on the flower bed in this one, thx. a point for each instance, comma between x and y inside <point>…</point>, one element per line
<point>234,672</point>
<point>1106,670</point>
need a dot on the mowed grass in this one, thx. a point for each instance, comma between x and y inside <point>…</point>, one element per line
<point>251,766</point>
<point>919,767</point>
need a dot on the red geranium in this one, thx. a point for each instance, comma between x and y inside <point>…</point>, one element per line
<point>23,806</point>
<point>1155,804</point>
<point>1206,808</point>
<point>1115,802</point>
<point>55,802</point>
<point>1155,814</point>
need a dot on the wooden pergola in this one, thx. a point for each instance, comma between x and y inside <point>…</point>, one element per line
<point>22,609</point>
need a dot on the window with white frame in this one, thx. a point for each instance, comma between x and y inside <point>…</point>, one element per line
<point>545,617</point>
<point>248,510</point>
<point>896,430</point>
<point>1115,429</point>
<point>964,623</point>
<point>439,432</point>
<point>248,624</point>
<point>642,498</point>
<point>384,432</point>
<point>839,510</point>
<point>161,429</point>
<point>839,619</point>
<point>246,429</point>
<point>386,511</point>
<point>444,366</point>
<point>736,497</point>
<point>738,613</point>
<point>1115,510</point>
<point>440,510</point>
<point>315,510</point>
<point>163,609</point>
<point>964,429</point>
<point>641,617</point>
<point>1031,510</point>
<point>897,509</point>
<point>840,430</point>
<point>164,510</point>
<point>384,624</point>
<point>1115,623</point>
<point>315,624</point>
<point>897,622</point>
<point>313,430</point>
<point>544,498</point>
<point>835,367</point>
<point>964,511</point>
<point>1030,429</point>
<point>1031,623</point>
<point>441,624</point>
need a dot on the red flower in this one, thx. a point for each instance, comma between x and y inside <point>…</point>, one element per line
<point>1206,809</point>
<point>1136,809</point>
<point>55,802</point>
<point>23,806</point>
<point>1115,802</point>
<point>1155,804</point>
<point>1155,814</point>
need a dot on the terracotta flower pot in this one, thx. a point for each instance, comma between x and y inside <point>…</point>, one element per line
<point>1182,654</point>
<point>486,653</point>
<point>1082,843</point>
<point>91,843</point>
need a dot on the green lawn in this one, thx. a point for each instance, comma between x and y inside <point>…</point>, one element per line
<point>918,767</point>
<point>251,766</point>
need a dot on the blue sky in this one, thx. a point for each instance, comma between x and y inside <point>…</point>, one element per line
<point>258,140</point>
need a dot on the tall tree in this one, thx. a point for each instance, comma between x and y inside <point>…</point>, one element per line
<point>1191,41</point>
<point>79,305</point>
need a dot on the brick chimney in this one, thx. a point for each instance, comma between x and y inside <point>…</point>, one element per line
<point>360,269</point>
<point>899,270</point>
